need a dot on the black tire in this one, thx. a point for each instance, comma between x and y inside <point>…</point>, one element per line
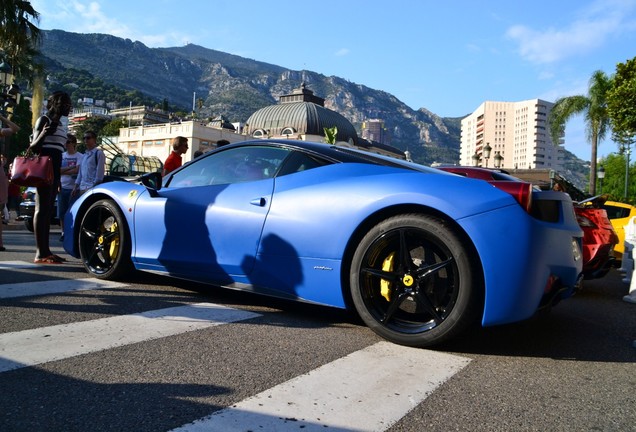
<point>104,241</point>
<point>28,223</point>
<point>413,282</point>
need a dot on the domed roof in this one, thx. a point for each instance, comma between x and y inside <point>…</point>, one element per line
<point>301,113</point>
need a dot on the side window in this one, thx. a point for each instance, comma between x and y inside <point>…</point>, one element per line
<point>234,165</point>
<point>298,162</point>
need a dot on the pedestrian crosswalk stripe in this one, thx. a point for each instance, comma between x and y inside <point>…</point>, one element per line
<point>41,345</point>
<point>16,265</point>
<point>368,390</point>
<point>54,287</point>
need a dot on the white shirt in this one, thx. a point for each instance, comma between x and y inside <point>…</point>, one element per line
<point>70,160</point>
<point>91,170</point>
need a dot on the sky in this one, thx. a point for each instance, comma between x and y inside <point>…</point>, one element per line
<point>447,57</point>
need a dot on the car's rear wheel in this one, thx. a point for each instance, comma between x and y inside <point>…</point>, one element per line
<point>413,282</point>
<point>104,241</point>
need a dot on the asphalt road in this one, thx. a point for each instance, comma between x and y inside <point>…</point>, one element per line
<point>157,354</point>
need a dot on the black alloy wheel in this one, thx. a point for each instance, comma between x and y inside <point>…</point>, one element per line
<point>413,281</point>
<point>104,241</point>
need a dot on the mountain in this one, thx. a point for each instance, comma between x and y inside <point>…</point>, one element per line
<point>235,87</point>
<point>112,68</point>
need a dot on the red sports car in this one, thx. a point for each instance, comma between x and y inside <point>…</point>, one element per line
<point>599,237</point>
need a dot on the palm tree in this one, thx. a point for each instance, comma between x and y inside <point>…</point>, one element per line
<point>594,107</point>
<point>19,36</point>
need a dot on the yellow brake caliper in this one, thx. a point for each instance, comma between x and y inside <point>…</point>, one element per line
<point>114,245</point>
<point>385,285</point>
<point>110,226</point>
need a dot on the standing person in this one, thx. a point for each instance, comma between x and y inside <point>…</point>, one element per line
<point>71,161</point>
<point>15,197</point>
<point>179,147</point>
<point>4,189</point>
<point>4,181</point>
<point>11,129</point>
<point>49,138</point>
<point>91,170</point>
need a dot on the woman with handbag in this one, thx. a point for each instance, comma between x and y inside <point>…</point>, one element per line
<point>49,139</point>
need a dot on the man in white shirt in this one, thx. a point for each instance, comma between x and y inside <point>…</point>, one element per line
<point>91,170</point>
<point>71,161</point>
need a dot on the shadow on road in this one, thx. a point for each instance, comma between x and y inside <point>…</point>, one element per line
<point>594,325</point>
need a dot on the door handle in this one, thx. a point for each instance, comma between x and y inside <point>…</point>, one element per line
<point>260,202</point>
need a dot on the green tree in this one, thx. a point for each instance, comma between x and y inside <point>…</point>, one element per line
<point>20,37</point>
<point>613,184</point>
<point>621,101</point>
<point>594,107</point>
<point>111,128</point>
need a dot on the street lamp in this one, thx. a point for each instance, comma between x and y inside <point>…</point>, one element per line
<point>476,159</point>
<point>601,175</point>
<point>487,150</point>
<point>498,159</point>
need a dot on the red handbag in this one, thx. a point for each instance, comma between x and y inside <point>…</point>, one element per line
<point>32,170</point>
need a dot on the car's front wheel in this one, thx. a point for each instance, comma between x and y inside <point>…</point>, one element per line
<point>104,241</point>
<point>413,282</point>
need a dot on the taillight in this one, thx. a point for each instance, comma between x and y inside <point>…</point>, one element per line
<point>520,191</point>
<point>584,222</point>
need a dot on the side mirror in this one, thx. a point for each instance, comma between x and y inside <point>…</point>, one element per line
<point>152,181</point>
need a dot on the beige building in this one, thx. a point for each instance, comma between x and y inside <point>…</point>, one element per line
<point>155,140</point>
<point>517,134</point>
<point>141,114</point>
<point>299,116</point>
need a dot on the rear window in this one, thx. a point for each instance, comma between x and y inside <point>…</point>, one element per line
<point>615,212</point>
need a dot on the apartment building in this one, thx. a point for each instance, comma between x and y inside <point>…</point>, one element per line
<point>375,130</point>
<point>513,135</point>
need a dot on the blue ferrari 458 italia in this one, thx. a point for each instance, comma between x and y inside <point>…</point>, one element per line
<point>418,253</point>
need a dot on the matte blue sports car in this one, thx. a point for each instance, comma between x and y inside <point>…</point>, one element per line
<point>420,254</point>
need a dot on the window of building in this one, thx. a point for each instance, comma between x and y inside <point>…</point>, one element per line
<point>288,131</point>
<point>259,133</point>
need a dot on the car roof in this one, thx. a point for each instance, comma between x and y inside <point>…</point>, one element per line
<point>337,153</point>
<point>619,204</point>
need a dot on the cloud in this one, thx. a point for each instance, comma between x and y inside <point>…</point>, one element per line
<point>88,17</point>
<point>342,52</point>
<point>592,28</point>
